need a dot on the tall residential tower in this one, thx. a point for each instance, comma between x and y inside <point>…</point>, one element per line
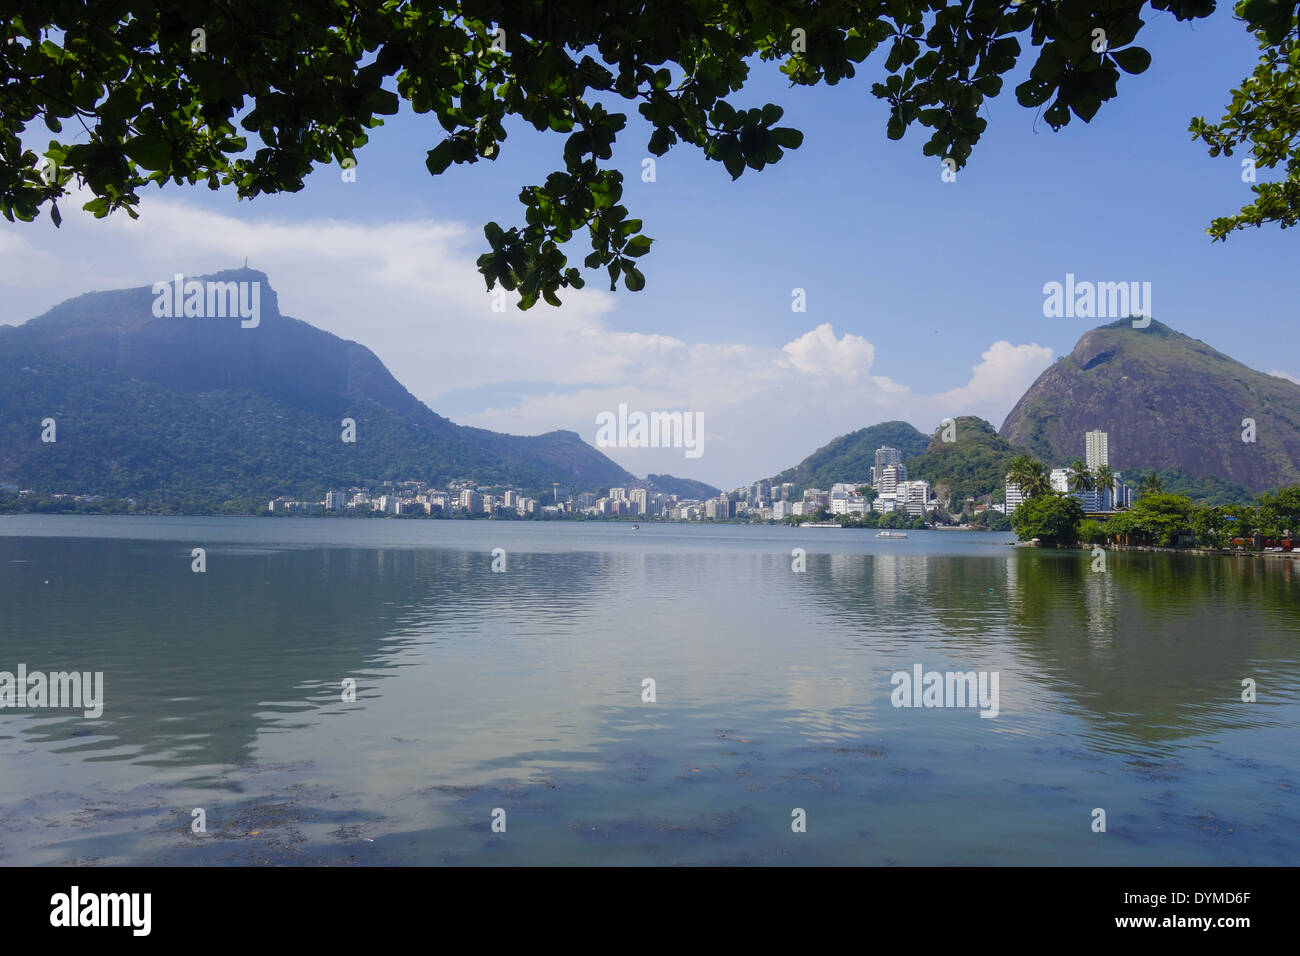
<point>1096,449</point>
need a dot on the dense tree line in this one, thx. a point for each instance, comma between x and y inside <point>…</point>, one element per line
<point>1158,518</point>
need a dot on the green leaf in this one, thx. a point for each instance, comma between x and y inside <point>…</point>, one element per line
<point>150,151</point>
<point>729,152</point>
<point>605,192</point>
<point>788,137</point>
<point>1132,59</point>
<point>634,280</point>
<point>1085,107</point>
<point>637,246</point>
<point>1034,92</point>
<point>439,158</point>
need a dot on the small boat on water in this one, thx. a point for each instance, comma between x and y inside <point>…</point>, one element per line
<point>891,534</point>
<point>636,527</point>
<point>821,524</point>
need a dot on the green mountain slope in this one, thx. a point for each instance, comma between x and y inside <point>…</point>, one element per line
<point>1169,403</point>
<point>851,457</point>
<point>975,463</point>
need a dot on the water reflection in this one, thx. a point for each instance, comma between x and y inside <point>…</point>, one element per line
<point>773,687</point>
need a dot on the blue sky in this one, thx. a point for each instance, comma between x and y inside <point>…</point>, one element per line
<point>910,281</point>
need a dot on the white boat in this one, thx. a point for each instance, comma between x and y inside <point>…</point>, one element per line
<point>891,534</point>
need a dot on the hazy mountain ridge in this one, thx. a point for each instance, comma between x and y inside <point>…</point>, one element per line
<point>143,403</point>
<point>681,487</point>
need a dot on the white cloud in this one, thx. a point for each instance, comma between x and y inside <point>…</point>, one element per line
<point>410,292</point>
<point>1004,370</point>
<point>21,262</point>
<point>1286,375</point>
<point>767,408</point>
<point>819,352</point>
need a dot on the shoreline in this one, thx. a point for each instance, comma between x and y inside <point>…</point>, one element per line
<point>1221,552</point>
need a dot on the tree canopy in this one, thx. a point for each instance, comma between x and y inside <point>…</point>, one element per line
<point>174,90</point>
<point>1156,516</point>
<point>1052,518</point>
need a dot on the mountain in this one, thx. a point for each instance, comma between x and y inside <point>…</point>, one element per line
<point>227,408</point>
<point>1169,403</point>
<point>851,457</point>
<point>973,464</point>
<point>1209,491</point>
<point>681,487</point>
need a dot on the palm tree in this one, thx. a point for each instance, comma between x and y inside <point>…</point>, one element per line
<point>1029,475</point>
<point>1105,476</point>
<point>1152,485</point>
<point>1080,478</point>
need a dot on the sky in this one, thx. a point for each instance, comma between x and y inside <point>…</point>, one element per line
<point>924,298</point>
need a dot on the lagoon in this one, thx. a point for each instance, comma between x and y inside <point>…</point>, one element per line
<point>524,691</point>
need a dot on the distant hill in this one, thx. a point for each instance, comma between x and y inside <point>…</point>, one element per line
<point>681,487</point>
<point>1169,403</point>
<point>975,463</point>
<point>851,457</point>
<point>206,407</point>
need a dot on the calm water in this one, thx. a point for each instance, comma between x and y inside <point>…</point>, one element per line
<point>522,691</point>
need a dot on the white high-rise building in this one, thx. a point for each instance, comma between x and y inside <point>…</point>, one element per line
<point>842,504</point>
<point>1096,449</point>
<point>885,456</point>
<point>914,496</point>
<point>1015,497</point>
<point>889,478</point>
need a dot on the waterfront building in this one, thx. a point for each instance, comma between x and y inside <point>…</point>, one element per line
<point>1015,498</point>
<point>914,496</point>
